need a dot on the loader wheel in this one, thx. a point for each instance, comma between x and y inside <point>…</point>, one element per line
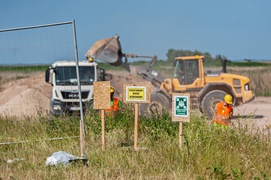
<point>158,104</point>
<point>210,100</point>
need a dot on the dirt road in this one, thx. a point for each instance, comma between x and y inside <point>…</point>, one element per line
<point>257,112</point>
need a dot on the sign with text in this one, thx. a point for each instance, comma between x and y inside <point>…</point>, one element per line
<point>181,107</point>
<point>138,93</point>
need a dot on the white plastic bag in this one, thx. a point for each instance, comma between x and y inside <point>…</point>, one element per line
<point>60,158</point>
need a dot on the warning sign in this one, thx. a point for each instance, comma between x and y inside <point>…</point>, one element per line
<point>137,93</point>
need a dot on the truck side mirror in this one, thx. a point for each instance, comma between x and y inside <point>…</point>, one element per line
<point>48,75</point>
<point>102,74</point>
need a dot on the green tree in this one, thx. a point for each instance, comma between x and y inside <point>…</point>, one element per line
<point>172,54</point>
<point>219,57</point>
<point>207,56</point>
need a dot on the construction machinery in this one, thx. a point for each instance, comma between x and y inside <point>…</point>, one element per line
<point>205,88</point>
<point>63,78</point>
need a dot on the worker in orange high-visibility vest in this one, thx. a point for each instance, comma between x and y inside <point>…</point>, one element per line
<point>223,112</point>
<point>115,104</point>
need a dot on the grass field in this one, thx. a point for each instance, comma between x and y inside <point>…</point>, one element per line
<point>23,68</point>
<point>206,153</point>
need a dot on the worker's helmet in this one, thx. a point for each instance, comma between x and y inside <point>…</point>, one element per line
<point>112,90</point>
<point>228,99</point>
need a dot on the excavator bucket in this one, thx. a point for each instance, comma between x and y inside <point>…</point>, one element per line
<point>108,50</point>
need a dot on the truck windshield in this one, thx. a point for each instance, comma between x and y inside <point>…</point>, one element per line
<point>66,75</point>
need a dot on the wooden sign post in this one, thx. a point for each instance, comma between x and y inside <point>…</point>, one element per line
<point>180,111</point>
<point>136,93</point>
<point>102,102</point>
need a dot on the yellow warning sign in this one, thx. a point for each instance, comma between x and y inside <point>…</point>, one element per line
<point>136,93</point>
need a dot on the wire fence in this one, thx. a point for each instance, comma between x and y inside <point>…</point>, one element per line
<point>25,53</point>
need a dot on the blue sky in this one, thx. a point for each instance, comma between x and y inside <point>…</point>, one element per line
<point>236,29</point>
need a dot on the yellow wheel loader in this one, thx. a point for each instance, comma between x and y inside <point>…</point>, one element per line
<point>205,88</point>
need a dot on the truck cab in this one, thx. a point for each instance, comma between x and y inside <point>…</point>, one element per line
<point>62,75</point>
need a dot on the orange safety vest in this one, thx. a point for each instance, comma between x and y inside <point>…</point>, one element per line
<point>223,114</point>
<point>114,107</point>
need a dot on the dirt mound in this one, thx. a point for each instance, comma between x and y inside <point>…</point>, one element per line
<point>25,97</point>
<point>31,96</point>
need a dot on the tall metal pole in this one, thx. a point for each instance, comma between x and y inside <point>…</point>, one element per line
<point>82,133</point>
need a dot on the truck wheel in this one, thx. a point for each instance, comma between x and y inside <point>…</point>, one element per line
<point>158,103</point>
<point>210,100</point>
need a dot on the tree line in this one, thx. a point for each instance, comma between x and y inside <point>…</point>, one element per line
<point>173,53</point>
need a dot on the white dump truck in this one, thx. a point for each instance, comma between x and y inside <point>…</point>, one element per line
<point>62,75</point>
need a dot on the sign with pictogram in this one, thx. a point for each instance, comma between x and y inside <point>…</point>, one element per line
<point>181,107</point>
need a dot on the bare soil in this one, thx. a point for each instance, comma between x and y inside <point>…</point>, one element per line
<point>30,97</point>
<point>256,114</point>
<point>24,97</point>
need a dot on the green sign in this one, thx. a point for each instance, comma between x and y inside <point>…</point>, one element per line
<point>181,106</point>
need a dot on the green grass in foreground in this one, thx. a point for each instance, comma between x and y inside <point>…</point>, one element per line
<point>206,153</point>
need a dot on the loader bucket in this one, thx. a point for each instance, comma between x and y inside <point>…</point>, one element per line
<point>107,50</point>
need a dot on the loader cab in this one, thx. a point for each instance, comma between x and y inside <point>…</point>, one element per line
<point>188,69</point>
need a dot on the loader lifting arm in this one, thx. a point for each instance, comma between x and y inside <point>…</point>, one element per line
<point>109,50</point>
<point>147,72</point>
